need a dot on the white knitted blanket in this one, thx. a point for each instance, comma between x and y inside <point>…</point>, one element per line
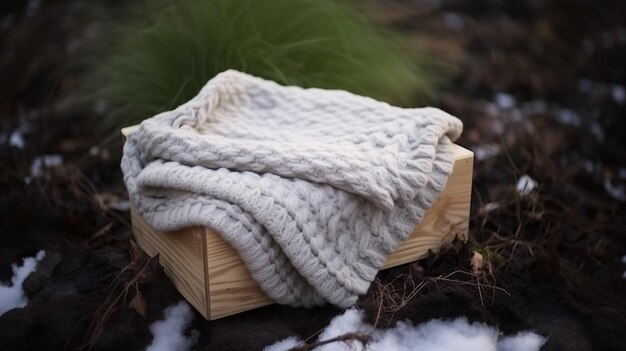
<point>313,188</point>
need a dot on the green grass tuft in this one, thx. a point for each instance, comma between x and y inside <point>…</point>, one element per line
<point>162,56</point>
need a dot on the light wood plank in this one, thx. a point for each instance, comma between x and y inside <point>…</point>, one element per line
<point>181,255</point>
<point>231,287</point>
<point>447,218</point>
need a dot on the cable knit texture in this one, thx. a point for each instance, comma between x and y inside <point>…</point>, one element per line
<point>313,188</point>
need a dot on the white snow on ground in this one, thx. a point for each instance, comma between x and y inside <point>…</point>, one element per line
<point>525,185</point>
<point>523,341</point>
<point>505,101</point>
<point>617,191</point>
<point>12,296</point>
<point>16,140</point>
<point>169,333</point>
<point>568,117</point>
<point>121,205</point>
<point>619,94</point>
<point>350,321</point>
<point>40,163</point>
<point>283,345</point>
<point>434,335</point>
<point>485,152</point>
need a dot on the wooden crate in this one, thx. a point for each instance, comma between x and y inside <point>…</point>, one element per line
<point>208,272</point>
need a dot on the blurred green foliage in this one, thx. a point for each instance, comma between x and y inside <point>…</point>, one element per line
<point>163,53</point>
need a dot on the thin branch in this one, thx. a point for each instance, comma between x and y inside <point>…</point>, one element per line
<point>364,339</point>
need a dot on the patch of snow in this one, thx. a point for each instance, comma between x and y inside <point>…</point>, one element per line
<point>453,21</point>
<point>457,334</point>
<point>434,335</point>
<point>41,162</point>
<point>16,140</point>
<point>619,94</point>
<point>618,192</point>
<point>525,185</point>
<point>505,101</point>
<point>16,137</point>
<point>522,341</point>
<point>484,152</point>
<point>350,321</point>
<point>169,333</point>
<point>121,205</point>
<point>568,117</point>
<point>621,173</point>
<point>624,259</point>
<point>283,345</point>
<point>12,296</point>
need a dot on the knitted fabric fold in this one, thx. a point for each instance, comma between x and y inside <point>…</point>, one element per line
<point>313,188</point>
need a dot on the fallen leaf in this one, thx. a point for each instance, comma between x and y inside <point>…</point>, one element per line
<point>138,303</point>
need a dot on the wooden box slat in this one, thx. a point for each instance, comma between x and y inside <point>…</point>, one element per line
<point>182,255</point>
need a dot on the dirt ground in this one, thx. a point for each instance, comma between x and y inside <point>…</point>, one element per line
<point>540,87</point>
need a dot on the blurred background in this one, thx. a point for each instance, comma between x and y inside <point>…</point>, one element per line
<point>539,85</point>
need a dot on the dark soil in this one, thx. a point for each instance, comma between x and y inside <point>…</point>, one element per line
<point>537,84</point>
